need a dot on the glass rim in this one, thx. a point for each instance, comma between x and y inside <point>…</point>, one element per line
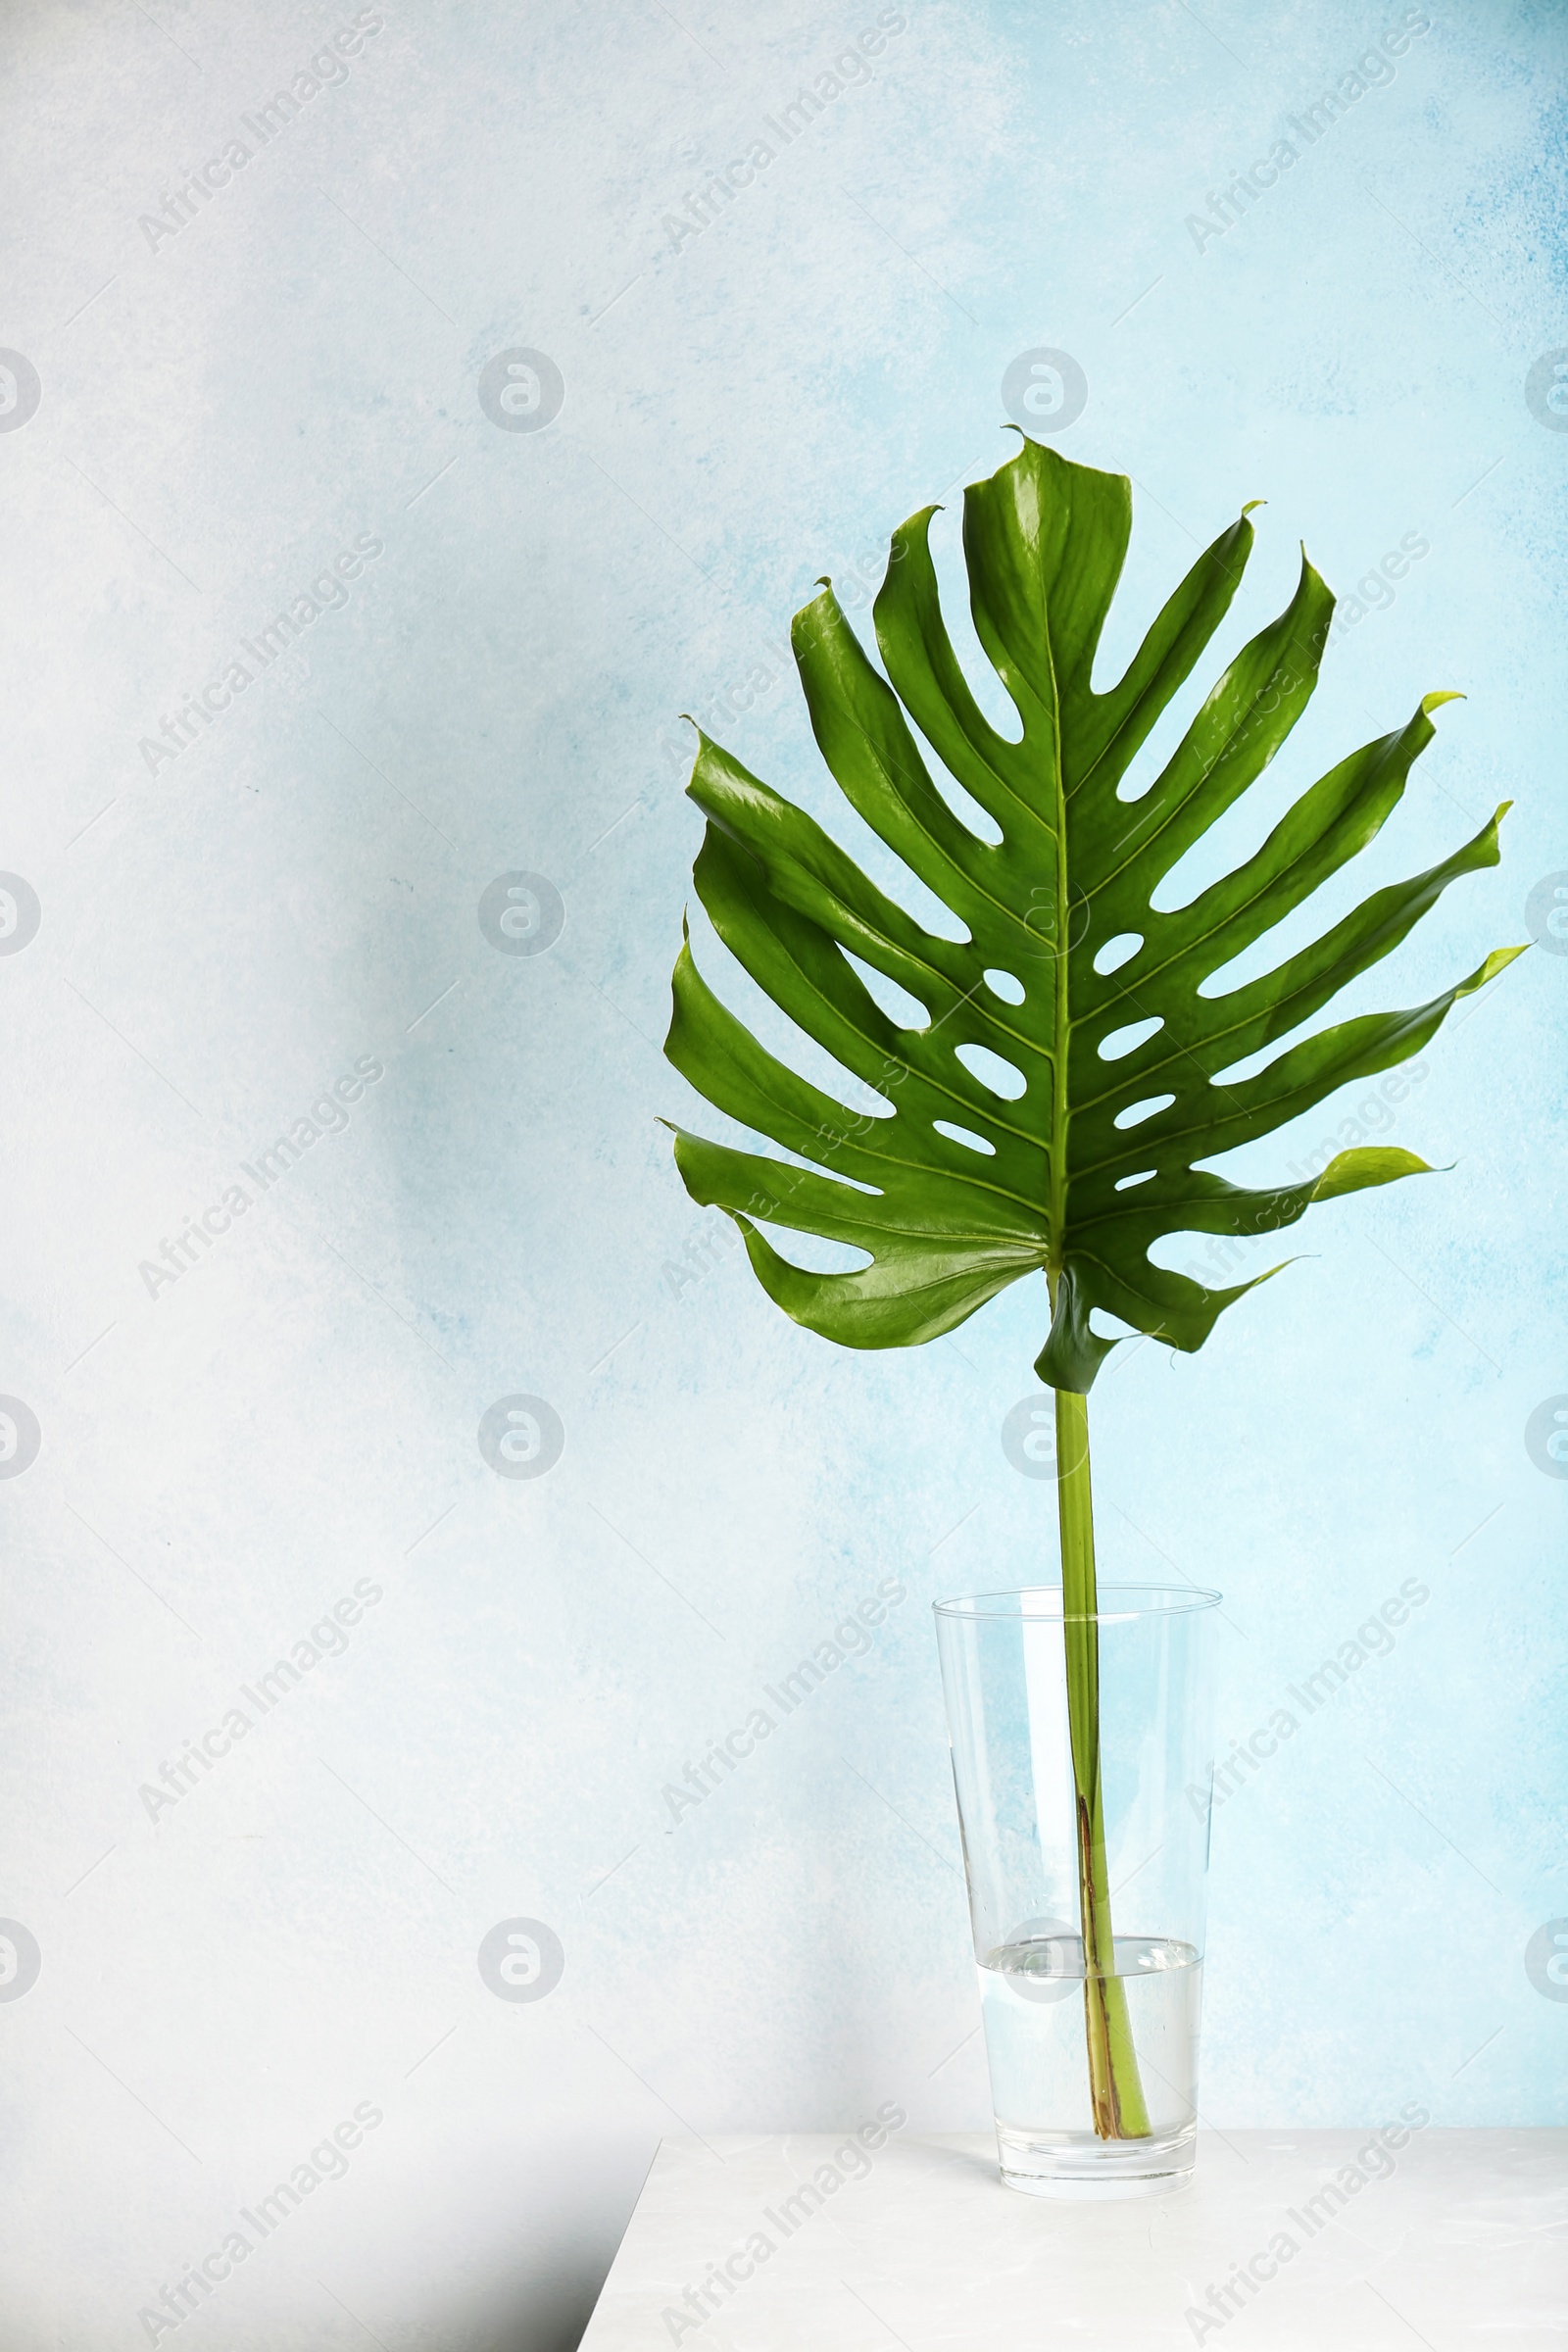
<point>1167,1600</point>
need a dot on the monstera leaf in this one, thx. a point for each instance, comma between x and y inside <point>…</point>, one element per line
<point>1074,1070</point>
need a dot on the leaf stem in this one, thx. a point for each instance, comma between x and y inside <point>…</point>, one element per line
<point>1116,2093</point>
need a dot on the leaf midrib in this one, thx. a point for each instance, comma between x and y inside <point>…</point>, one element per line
<point>1061,1109</point>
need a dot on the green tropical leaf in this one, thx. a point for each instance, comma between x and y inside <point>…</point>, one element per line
<point>1104,1090</point>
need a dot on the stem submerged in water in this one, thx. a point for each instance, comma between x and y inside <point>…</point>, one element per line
<point>1116,2090</point>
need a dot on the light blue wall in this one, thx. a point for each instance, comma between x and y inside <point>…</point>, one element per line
<point>225,409</point>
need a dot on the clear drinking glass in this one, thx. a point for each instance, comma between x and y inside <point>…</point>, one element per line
<point>1077,2119</point>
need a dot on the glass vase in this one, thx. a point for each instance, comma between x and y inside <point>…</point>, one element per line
<point>1086,1849</point>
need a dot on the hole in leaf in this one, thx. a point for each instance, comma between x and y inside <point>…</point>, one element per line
<point>902,1010</point>
<point>1107,1326</point>
<point>1124,1184</point>
<point>961,1135</point>
<point>827,1166</point>
<point>888,871</point>
<point>1219,1262</point>
<point>1250,1065</point>
<point>953,590</point>
<point>774,1029</point>
<point>812,1252</point>
<point>1117,1042</point>
<point>1115,952</point>
<point>992,1071</point>
<point>1225,847</point>
<point>1136,1112</point>
<point>1004,985</point>
<point>965,808</point>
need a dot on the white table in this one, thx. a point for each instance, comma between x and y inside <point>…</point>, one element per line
<point>1465,2242</point>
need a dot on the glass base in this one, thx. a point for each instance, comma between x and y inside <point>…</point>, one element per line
<point>1032,2000</point>
<point>1077,2167</point>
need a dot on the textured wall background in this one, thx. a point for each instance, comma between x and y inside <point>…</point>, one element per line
<point>225,404</point>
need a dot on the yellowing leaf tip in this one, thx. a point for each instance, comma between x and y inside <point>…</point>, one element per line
<point>1435,702</point>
